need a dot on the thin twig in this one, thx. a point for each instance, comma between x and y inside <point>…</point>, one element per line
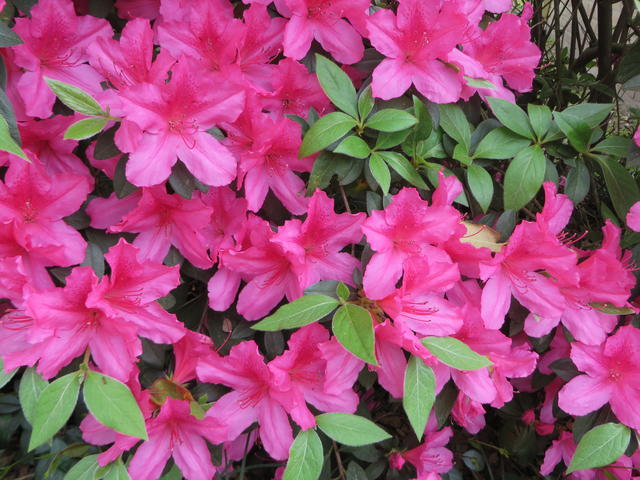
<point>339,460</point>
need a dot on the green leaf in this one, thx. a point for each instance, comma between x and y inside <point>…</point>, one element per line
<point>380,172</point>
<point>353,327</point>
<point>6,111</point>
<point>455,124</point>
<point>354,147</point>
<point>611,309</point>
<point>351,430</point>
<point>6,377</point>
<point>86,469</point>
<point>622,187</point>
<point>7,143</point>
<point>591,113</point>
<point>615,146</point>
<point>121,186</point>
<point>86,128</point>
<point>481,185</point>
<point>421,131</point>
<point>325,131</point>
<point>75,98</point>
<point>117,471</point>
<point>324,167</point>
<point>480,83</point>
<point>337,85</point>
<point>356,472</point>
<point>365,103</point>
<point>113,405</point>
<point>454,353</point>
<point>578,182</point>
<point>524,177</point>
<point>511,116</point>
<point>343,291</point>
<point>54,407</point>
<point>391,139</point>
<point>462,155</point>
<point>403,167</point>
<point>600,446</point>
<point>300,312</point>
<point>419,394</point>
<point>540,118</point>
<point>577,131</point>
<point>501,143</point>
<point>305,457</point>
<point>391,120</point>
<point>31,386</point>
<point>8,38</point>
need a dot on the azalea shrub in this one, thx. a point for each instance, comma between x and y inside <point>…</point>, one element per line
<point>307,240</point>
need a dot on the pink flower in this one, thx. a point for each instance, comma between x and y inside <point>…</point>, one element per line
<point>170,121</point>
<point>431,456</point>
<point>55,43</point>
<point>611,375</point>
<point>633,217</point>
<point>415,43</point>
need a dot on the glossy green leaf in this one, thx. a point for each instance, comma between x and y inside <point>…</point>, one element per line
<point>365,103</point>
<point>31,386</point>
<point>481,185</point>
<point>325,131</point>
<point>7,143</point>
<point>501,143</point>
<point>54,407</point>
<point>577,131</point>
<point>622,187</point>
<point>454,353</point>
<point>86,469</point>
<point>337,85</point>
<point>419,394</point>
<point>524,177</point>
<point>75,98</point>
<point>351,430</point>
<point>353,327</point>
<point>305,457</point>
<point>511,116</point>
<point>353,146</point>
<point>391,120</point>
<point>85,128</point>
<point>540,118</point>
<point>6,377</point>
<point>403,167</point>
<point>380,172</point>
<point>300,312</point>
<point>600,446</point>
<point>455,124</point>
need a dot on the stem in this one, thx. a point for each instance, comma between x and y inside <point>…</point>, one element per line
<point>339,460</point>
<point>243,465</point>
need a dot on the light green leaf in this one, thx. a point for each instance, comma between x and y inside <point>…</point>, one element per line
<point>325,131</point>
<point>75,98</point>
<point>54,407</point>
<point>600,446</point>
<point>113,405</point>
<point>454,353</point>
<point>501,143</point>
<point>401,165</point>
<point>419,394</point>
<point>337,85</point>
<point>481,185</point>
<point>117,471</point>
<point>305,457</point>
<point>353,146</point>
<point>455,124</point>
<point>6,377</point>
<point>7,143</point>
<point>511,116</point>
<point>31,386</point>
<point>351,430</point>
<point>353,327</point>
<point>391,120</point>
<point>343,291</point>
<point>86,469</point>
<point>480,83</point>
<point>300,312</point>
<point>540,118</point>
<point>380,172</point>
<point>524,177</point>
<point>85,128</point>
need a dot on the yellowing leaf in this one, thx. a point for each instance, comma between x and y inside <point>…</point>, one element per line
<point>482,236</point>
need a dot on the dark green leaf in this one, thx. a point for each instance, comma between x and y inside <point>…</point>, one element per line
<point>419,394</point>
<point>113,405</point>
<point>622,187</point>
<point>391,139</point>
<point>6,111</point>
<point>356,472</point>
<point>391,120</point>
<point>455,124</point>
<point>75,98</point>
<point>325,131</point>
<point>421,131</point>
<point>511,116</point>
<point>105,144</point>
<point>540,119</point>
<point>578,182</point>
<point>7,143</point>
<point>351,430</point>
<point>305,457</point>
<point>404,168</point>
<point>324,167</point>
<point>31,386</point>
<point>184,182</point>
<point>380,172</point>
<point>300,312</point>
<point>53,408</point>
<point>8,38</point>
<point>577,131</point>
<point>337,85</point>
<point>353,146</point>
<point>600,446</point>
<point>501,143</point>
<point>524,177</point>
<point>481,185</point>
<point>6,377</point>
<point>121,186</point>
<point>85,128</point>
<point>454,353</point>
<point>591,113</point>
<point>615,146</point>
<point>365,103</point>
<point>353,327</point>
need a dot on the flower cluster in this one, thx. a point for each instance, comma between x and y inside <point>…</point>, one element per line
<point>207,92</point>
